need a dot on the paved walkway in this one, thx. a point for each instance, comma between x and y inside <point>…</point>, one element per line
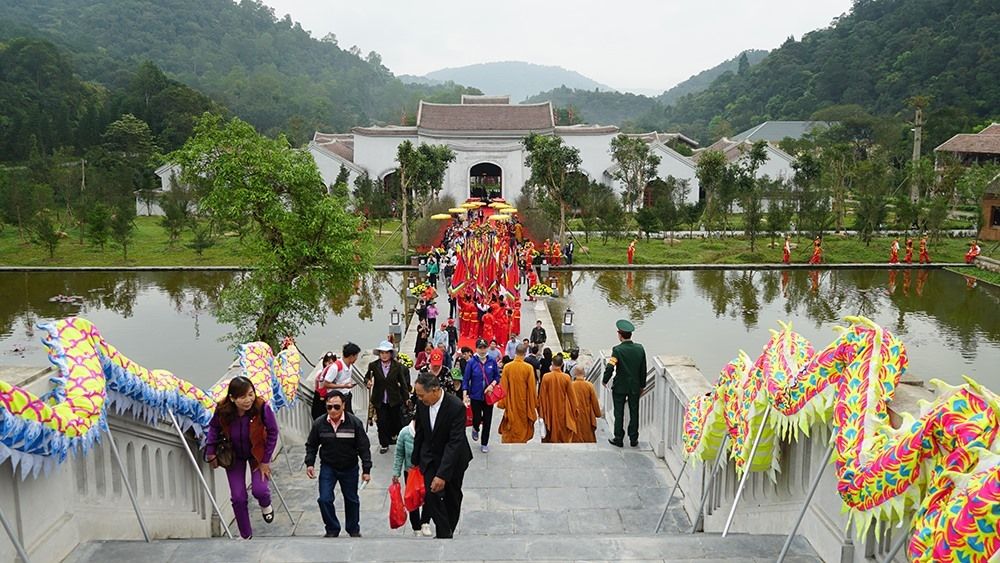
<point>522,502</point>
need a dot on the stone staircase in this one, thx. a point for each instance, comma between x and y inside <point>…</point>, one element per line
<point>581,502</point>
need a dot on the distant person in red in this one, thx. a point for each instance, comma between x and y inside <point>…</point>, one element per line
<point>556,254</point>
<point>786,250</point>
<point>631,251</point>
<point>909,251</point>
<point>488,330</point>
<point>532,281</point>
<point>974,250</point>
<point>817,255</point>
<point>894,252</point>
<point>515,319</point>
<point>925,258</point>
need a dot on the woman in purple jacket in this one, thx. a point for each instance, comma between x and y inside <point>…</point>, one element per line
<point>249,423</point>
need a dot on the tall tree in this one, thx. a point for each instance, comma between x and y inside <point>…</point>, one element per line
<point>123,227</point>
<point>552,166</point>
<point>750,188</point>
<point>711,172</point>
<point>307,246</point>
<point>636,167</point>
<point>421,173</point>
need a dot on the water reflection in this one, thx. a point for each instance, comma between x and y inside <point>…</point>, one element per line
<point>169,319</point>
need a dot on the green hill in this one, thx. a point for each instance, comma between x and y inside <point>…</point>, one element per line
<point>704,79</point>
<point>269,71</point>
<point>518,79</point>
<point>875,57</point>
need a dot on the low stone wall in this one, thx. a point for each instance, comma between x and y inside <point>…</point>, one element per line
<point>84,499</point>
<point>766,507</point>
<point>988,264</point>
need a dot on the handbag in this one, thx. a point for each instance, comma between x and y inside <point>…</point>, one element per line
<point>496,395</point>
<point>415,490</point>
<point>397,511</point>
<point>468,416</point>
<point>223,451</point>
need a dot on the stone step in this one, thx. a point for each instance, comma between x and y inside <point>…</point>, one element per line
<point>698,547</point>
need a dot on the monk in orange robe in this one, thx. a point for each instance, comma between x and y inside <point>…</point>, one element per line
<point>520,405</point>
<point>555,405</point>
<point>586,407</point>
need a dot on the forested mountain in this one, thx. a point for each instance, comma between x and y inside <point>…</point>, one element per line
<point>269,71</point>
<point>704,79</point>
<point>519,79</point>
<point>45,106</point>
<point>605,108</point>
<point>876,57</point>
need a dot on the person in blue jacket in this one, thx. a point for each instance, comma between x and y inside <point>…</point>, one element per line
<point>481,374</point>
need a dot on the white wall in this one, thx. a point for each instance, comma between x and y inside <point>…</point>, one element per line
<point>329,167</point>
<point>508,154</point>
<point>677,165</point>
<point>377,154</point>
<point>595,151</point>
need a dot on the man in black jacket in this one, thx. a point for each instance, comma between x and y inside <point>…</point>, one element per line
<point>341,440</point>
<point>389,382</point>
<point>538,336</point>
<point>441,450</point>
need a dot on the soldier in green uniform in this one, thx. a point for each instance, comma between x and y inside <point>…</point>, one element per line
<point>629,359</point>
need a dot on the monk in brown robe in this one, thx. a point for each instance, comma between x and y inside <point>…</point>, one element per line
<point>587,407</point>
<point>520,405</point>
<point>555,405</point>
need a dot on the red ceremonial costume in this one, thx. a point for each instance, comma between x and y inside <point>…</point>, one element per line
<point>908,258</point>
<point>974,250</point>
<point>631,251</point>
<point>894,252</point>
<point>925,258</point>
<point>786,252</point>
<point>817,256</point>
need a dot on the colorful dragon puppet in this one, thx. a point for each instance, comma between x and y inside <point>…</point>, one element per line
<point>942,467</point>
<point>37,432</point>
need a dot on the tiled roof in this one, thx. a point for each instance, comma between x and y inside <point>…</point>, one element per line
<point>582,129</point>
<point>775,131</point>
<point>657,137</point>
<point>733,150</point>
<point>470,99</point>
<point>485,117</point>
<point>986,141</point>
<point>386,131</point>
<point>340,144</point>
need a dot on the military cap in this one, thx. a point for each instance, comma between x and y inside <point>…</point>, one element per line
<point>625,326</point>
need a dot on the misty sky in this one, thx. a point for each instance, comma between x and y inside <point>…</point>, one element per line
<point>626,44</point>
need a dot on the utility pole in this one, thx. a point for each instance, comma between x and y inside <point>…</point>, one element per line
<point>918,103</point>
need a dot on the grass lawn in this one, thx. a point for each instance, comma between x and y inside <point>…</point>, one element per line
<point>980,274</point>
<point>150,248</point>
<point>836,250</point>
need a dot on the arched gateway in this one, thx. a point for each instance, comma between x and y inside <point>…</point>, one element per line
<point>486,180</point>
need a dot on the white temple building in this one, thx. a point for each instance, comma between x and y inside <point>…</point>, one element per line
<point>485,132</point>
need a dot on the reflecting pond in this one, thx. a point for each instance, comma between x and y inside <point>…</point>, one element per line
<point>167,319</point>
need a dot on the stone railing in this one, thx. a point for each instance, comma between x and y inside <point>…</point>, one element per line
<point>84,498</point>
<point>988,264</point>
<point>766,507</point>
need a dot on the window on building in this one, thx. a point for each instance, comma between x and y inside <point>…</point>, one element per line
<point>995,216</point>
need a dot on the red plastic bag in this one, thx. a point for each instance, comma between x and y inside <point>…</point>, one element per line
<point>468,416</point>
<point>415,490</point>
<point>397,512</point>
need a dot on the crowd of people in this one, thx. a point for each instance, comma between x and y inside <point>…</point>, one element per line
<point>465,366</point>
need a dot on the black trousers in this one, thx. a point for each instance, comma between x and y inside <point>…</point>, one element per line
<point>444,508</point>
<point>390,421</point>
<point>482,413</point>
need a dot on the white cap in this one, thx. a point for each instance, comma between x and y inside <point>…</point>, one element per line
<point>385,346</point>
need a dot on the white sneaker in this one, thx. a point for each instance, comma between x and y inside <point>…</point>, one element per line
<point>425,530</point>
<point>416,533</point>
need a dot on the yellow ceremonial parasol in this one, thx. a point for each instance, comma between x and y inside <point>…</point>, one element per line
<point>508,210</point>
<point>458,210</point>
<point>499,217</point>
<point>440,216</point>
<point>469,205</point>
<point>498,205</point>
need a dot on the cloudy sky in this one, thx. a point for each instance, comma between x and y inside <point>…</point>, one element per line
<point>626,44</point>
